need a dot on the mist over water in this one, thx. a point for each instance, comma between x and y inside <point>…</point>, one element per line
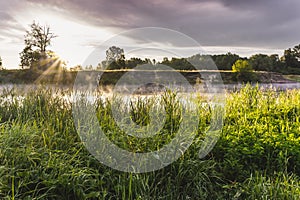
<point>200,88</point>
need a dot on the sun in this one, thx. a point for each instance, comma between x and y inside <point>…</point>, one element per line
<point>53,68</point>
<point>76,39</point>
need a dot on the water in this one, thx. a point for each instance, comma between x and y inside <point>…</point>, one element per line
<point>200,88</point>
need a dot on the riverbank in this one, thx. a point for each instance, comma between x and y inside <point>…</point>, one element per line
<point>110,77</point>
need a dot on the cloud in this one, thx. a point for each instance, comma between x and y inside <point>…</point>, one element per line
<point>268,23</point>
<point>10,29</point>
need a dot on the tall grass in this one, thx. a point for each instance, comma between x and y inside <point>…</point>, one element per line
<point>257,156</point>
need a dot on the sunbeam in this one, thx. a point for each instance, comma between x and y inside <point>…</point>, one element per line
<point>55,67</point>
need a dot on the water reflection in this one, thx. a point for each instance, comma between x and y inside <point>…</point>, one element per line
<point>145,91</point>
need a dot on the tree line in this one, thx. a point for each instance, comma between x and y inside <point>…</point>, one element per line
<point>288,63</point>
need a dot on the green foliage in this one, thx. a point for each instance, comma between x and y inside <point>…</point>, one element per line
<point>244,71</point>
<point>262,62</point>
<point>225,61</point>
<point>242,66</point>
<point>260,186</point>
<point>202,62</point>
<point>279,186</point>
<point>133,62</point>
<point>261,132</point>
<point>291,57</point>
<point>178,64</point>
<point>256,157</point>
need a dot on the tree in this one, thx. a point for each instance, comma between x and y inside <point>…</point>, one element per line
<point>296,52</point>
<point>198,61</point>
<point>277,65</point>
<point>291,57</point>
<point>178,64</point>
<point>244,71</point>
<point>1,63</point>
<point>242,66</point>
<point>262,62</point>
<point>133,62</point>
<point>225,61</point>
<point>37,39</point>
<point>114,53</point>
<point>115,58</point>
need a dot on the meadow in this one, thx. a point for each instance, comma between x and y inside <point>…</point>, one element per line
<point>256,157</point>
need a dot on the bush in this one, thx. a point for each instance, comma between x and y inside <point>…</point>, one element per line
<point>242,66</point>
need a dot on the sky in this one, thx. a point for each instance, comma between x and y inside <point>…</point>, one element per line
<point>244,27</point>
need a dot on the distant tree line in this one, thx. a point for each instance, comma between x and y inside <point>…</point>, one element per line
<point>288,63</point>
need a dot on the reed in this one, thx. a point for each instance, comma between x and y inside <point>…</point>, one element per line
<point>256,157</point>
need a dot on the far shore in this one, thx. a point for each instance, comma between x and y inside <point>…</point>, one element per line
<point>110,77</point>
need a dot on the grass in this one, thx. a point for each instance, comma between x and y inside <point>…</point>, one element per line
<point>256,157</point>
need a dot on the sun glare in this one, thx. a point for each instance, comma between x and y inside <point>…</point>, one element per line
<point>75,40</point>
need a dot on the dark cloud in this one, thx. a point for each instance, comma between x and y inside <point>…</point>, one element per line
<point>254,23</point>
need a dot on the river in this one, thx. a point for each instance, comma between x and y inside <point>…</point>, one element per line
<point>227,87</point>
